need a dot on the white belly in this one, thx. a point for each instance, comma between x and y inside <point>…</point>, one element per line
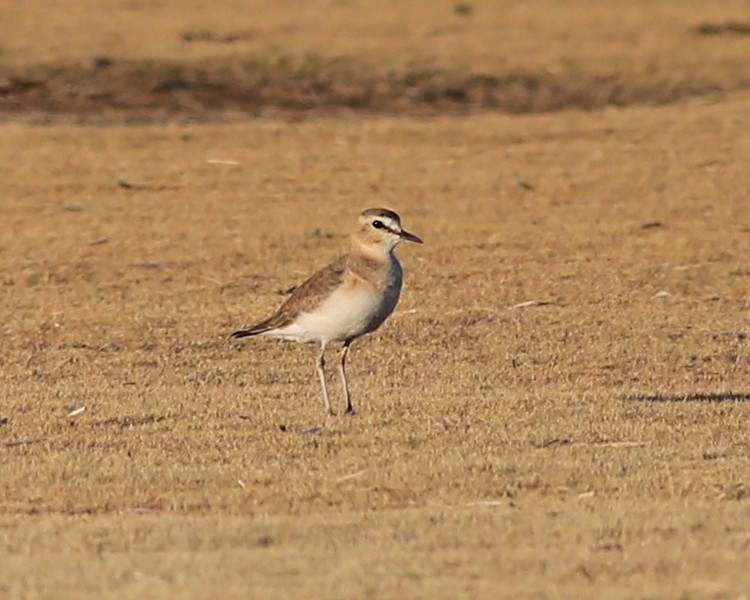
<point>345,315</point>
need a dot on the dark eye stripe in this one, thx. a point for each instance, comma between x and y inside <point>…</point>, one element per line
<point>378,224</point>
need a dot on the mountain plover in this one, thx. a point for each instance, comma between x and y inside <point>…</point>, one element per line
<point>347,299</point>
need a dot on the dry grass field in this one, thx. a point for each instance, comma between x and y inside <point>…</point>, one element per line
<point>559,406</point>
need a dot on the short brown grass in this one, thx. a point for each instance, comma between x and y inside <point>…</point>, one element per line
<point>558,407</point>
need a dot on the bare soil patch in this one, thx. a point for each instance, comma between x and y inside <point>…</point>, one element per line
<point>139,92</point>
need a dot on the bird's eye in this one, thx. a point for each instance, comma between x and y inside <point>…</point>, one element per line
<point>377,224</point>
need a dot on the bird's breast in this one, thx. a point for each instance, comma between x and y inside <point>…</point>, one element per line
<point>354,309</point>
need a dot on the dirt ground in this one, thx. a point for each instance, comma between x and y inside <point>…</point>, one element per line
<point>559,405</point>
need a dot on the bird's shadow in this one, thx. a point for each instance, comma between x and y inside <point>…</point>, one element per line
<point>708,397</point>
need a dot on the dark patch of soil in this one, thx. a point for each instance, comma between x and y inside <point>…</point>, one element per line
<point>727,28</point>
<point>108,90</point>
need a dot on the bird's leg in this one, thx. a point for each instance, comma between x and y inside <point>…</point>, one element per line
<point>342,373</point>
<point>322,375</point>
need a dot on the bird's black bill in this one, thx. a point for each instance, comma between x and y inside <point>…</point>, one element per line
<point>410,237</point>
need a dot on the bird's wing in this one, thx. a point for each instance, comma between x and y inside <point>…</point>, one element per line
<point>305,297</point>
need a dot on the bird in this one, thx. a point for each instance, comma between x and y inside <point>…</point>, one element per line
<point>347,299</point>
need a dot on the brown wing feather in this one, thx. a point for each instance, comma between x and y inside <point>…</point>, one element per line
<point>305,297</point>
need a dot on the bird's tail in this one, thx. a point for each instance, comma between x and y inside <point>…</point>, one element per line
<point>243,333</point>
<point>254,330</point>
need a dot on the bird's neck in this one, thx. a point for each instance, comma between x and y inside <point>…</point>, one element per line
<point>372,263</point>
<point>371,252</point>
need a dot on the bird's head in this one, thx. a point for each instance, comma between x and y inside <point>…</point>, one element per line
<point>379,231</point>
